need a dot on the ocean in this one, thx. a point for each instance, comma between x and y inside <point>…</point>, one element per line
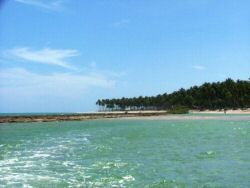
<point>126,153</point>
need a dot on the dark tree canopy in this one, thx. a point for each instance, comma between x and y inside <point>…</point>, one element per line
<point>229,94</point>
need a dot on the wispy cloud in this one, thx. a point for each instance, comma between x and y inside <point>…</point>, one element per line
<point>121,23</point>
<point>29,87</point>
<point>49,56</point>
<point>46,4</point>
<point>198,67</point>
<point>16,80</point>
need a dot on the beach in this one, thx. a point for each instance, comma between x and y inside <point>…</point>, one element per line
<point>230,111</point>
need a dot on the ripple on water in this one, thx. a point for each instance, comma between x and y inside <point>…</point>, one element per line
<point>159,154</point>
<point>39,155</point>
<point>17,178</point>
<point>102,148</point>
<point>207,155</point>
<point>111,181</point>
<point>109,165</point>
<point>167,183</point>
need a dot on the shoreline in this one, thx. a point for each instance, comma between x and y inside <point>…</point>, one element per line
<point>140,115</point>
<point>76,116</point>
<point>181,117</point>
<point>230,111</point>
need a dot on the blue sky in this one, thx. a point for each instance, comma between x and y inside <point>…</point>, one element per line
<point>62,55</point>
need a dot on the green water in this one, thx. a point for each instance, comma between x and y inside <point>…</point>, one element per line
<point>126,153</point>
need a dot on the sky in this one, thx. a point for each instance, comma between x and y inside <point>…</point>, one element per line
<point>63,55</point>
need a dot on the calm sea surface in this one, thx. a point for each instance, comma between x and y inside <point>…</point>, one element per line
<point>126,153</point>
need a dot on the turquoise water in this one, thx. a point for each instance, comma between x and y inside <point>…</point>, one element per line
<point>126,153</point>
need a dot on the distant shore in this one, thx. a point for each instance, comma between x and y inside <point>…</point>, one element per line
<point>75,116</point>
<point>238,111</point>
<point>152,115</point>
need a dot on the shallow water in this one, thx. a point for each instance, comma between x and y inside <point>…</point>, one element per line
<point>126,153</point>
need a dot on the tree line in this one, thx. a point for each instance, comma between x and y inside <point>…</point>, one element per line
<point>228,94</point>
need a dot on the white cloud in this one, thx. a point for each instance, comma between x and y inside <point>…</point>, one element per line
<point>121,23</point>
<point>29,90</point>
<point>19,80</point>
<point>46,56</point>
<point>198,67</point>
<point>46,4</point>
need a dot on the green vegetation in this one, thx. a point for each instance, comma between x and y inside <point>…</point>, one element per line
<point>229,94</point>
<point>178,110</point>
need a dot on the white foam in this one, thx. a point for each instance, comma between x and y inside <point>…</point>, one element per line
<point>8,161</point>
<point>106,167</point>
<point>39,155</point>
<point>68,163</point>
<point>210,152</point>
<point>27,186</point>
<point>128,178</point>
